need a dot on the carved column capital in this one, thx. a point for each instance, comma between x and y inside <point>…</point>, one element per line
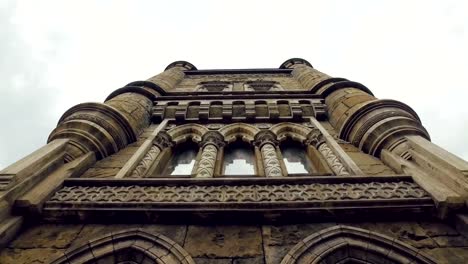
<point>214,138</point>
<point>315,138</point>
<point>265,136</point>
<point>163,140</point>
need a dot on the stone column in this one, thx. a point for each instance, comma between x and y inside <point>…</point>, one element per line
<point>267,143</point>
<point>316,139</point>
<point>210,144</point>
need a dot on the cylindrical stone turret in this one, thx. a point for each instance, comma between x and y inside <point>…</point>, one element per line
<point>369,123</point>
<point>105,128</point>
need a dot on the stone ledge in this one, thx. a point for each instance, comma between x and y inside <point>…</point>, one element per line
<point>264,198</point>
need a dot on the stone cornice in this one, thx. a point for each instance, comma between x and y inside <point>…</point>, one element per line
<point>311,195</point>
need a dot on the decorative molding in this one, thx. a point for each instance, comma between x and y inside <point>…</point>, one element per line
<point>317,139</point>
<point>163,140</point>
<point>343,244</point>
<point>215,126</point>
<point>207,162</point>
<point>264,137</point>
<point>270,161</point>
<point>136,195</point>
<point>184,110</point>
<point>116,246</point>
<point>213,138</point>
<point>263,125</point>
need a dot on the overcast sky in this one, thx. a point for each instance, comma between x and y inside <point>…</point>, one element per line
<point>55,54</point>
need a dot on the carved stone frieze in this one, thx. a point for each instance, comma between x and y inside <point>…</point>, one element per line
<point>207,162</point>
<point>206,194</point>
<point>270,161</point>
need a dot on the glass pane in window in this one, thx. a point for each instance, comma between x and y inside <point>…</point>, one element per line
<point>183,159</point>
<point>239,159</point>
<point>295,158</point>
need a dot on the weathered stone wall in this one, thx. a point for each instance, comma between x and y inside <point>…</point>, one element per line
<point>262,244</point>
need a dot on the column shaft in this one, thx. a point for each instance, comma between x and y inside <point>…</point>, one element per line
<point>207,162</point>
<point>270,161</point>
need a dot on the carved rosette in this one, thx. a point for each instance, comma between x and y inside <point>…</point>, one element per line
<point>267,142</point>
<point>316,139</point>
<point>162,141</point>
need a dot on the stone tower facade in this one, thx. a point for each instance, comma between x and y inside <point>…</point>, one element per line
<point>269,166</point>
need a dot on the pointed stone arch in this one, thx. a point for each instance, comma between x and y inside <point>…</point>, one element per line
<point>294,131</point>
<point>344,244</point>
<point>129,246</point>
<point>245,131</point>
<point>182,133</point>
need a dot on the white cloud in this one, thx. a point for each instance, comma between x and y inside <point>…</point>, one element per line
<point>60,53</point>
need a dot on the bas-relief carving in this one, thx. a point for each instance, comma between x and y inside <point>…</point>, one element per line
<point>310,192</point>
<point>332,160</point>
<point>270,161</point>
<point>146,162</point>
<point>317,139</point>
<point>162,141</point>
<point>207,162</point>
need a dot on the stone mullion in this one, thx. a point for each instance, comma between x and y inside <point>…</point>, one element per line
<point>271,161</point>
<point>206,166</point>
<point>211,143</point>
<point>266,141</point>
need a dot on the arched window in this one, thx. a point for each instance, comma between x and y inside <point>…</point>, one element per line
<point>183,159</point>
<point>239,159</point>
<point>295,157</point>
